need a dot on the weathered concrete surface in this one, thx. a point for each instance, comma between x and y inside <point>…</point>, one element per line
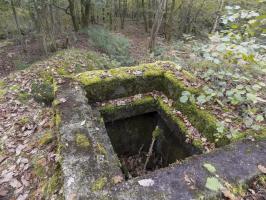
<point>235,163</point>
<point>89,166</point>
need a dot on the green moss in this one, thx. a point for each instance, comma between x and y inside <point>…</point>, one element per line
<point>262,179</point>
<point>121,82</point>
<point>258,135</point>
<point>24,120</point>
<point>43,92</point>
<point>89,78</point>
<point>23,96</point>
<point>2,93</point>
<point>101,149</point>
<point>82,140</point>
<point>99,184</point>
<point>46,76</point>
<point>239,190</point>
<point>14,88</point>
<point>62,71</point>
<point>46,138</point>
<point>189,76</point>
<point>38,166</point>
<point>54,183</point>
<point>110,111</point>
<point>56,102</point>
<point>169,112</point>
<point>2,84</point>
<point>57,118</point>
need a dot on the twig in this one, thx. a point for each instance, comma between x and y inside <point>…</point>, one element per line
<point>149,153</point>
<point>155,135</point>
<point>140,149</point>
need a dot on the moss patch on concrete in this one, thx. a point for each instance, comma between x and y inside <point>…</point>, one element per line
<point>111,112</point>
<point>101,149</point>
<point>99,184</point>
<point>53,184</point>
<point>161,76</point>
<point>82,140</point>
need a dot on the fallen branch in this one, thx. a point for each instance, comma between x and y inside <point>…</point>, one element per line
<point>155,135</point>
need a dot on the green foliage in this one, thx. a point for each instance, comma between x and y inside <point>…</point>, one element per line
<point>46,138</point>
<point>209,167</point>
<point>115,46</point>
<point>213,184</point>
<point>42,92</point>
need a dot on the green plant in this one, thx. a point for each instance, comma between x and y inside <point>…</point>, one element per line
<point>117,47</point>
<point>42,92</point>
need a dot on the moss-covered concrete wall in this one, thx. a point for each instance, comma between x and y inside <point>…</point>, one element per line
<point>103,85</point>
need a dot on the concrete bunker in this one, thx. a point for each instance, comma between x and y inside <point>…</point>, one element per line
<point>145,140</point>
<point>91,169</point>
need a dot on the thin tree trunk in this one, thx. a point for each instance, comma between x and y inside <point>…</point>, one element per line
<point>15,16</point>
<point>218,16</point>
<point>144,16</point>
<point>73,15</point>
<point>85,14</point>
<point>169,25</point>
<point>17,25</point>
<point>157,23</point>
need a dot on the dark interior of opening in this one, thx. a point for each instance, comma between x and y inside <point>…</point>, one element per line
<point>132,138</point>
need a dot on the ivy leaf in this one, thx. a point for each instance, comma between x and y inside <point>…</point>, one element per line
<point>252,97</point>
<point>186,93</point>
<point>213,184</point>
<point>209,167</point>
<point>229,93</point>
<point>192,98</point>
<point>256,87</point>
<point>248,121</point>
<point>201,99</point>
<point>259,118</point>
<point>183,99</point>
<point>220,127</point>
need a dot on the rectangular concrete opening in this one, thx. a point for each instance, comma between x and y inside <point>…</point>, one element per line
<point>132,139</point>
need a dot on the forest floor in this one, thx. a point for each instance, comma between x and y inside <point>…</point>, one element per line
<point>27,145</point>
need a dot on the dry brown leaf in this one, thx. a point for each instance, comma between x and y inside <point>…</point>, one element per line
<point>228,194</point>
<point>117,179</point>
<point>262,169</point>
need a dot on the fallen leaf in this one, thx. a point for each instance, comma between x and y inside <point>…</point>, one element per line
<point>117,179</point>
<point>3,192</point>
<point>22,197</point>
<point>262,169</point>
<point>209,167</point>
<point>6,177</point>
<point>15,183</point>
<point>213,184</point>
<point>146,182</point>
<point>62,100</point>
<point>228,194</point>
<point>83,123</point>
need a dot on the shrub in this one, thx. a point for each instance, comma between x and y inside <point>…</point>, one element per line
<point>116,47</point>
<point>42,92</point>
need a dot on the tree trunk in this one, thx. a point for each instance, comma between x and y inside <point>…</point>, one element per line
<point>85,12</point>
<point>15,16</point>
<point>156,24</point>
<point>73,14</point>
<point>144,16</point>
<point>169,25</point>
<point>17,25</point>
<point>218,16</point>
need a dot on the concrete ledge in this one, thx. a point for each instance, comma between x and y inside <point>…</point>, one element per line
<point>89,164</point>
